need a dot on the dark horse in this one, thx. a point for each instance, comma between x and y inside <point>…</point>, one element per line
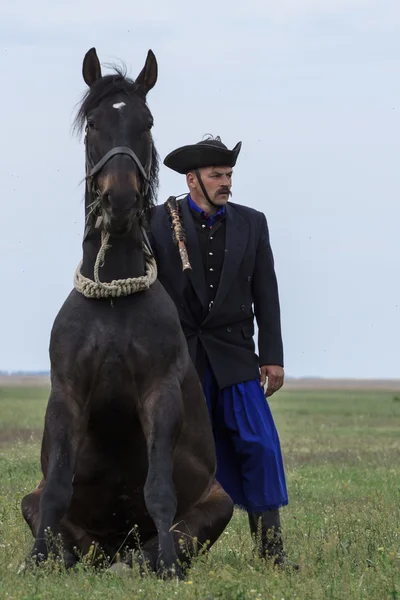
<point>127,445</point>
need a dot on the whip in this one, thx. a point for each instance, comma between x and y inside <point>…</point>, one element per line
<point>178,232</point>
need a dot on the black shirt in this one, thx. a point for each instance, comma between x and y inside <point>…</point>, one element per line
<point>211,240</point>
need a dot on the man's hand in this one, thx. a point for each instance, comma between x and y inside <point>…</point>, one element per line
<point>275,376</point>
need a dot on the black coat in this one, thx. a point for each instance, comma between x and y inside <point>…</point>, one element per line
<point>248,283</point>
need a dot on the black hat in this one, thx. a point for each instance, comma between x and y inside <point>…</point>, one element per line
<point>207,153</point>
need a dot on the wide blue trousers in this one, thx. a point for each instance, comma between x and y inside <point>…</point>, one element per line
<point>249,459</point>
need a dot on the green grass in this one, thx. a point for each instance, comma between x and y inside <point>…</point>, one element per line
<point>342,455</point>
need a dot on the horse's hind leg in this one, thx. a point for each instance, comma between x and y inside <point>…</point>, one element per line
<point>199,528</point>
<point>30,506</point>
<point>57,490</point>
<point>203,524</point>
<point>161,417</point>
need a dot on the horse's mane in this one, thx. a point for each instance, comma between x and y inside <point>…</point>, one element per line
<point>108,85</point>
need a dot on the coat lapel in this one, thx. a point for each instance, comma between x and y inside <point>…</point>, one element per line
<point>237,232</point>
<point>196,275</point>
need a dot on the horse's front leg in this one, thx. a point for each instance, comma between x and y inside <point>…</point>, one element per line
<point>162,417</point>
<point>57,491</point>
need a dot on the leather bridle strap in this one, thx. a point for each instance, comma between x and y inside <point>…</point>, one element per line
<point>119,150</point>
<point>207,197</point>
<point>97,168</point>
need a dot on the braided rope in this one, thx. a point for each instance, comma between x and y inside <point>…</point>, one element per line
<point>117,287</point>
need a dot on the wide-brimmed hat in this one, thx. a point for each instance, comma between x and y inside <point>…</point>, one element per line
<point>207,153</point>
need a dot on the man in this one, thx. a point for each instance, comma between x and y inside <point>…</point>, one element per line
<point>232,270</point>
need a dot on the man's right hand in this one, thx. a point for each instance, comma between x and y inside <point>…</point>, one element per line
<point>275,376</point>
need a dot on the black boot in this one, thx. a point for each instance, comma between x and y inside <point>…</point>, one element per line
<point>266,528</point>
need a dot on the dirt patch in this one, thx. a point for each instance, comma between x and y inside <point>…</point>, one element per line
<point>14,435</point>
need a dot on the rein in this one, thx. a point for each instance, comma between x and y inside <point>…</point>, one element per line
<point>118,287</point>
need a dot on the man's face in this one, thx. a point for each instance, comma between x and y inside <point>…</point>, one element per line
<point>217,181</point>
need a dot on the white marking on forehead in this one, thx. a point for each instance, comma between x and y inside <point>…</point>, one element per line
<point>119,105</point>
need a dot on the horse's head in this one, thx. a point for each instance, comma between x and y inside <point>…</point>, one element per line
<point>121,160</point>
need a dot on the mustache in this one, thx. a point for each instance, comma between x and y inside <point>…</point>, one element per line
<point>224,191</point>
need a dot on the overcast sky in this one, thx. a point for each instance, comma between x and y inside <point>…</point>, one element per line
<point>311,88</point>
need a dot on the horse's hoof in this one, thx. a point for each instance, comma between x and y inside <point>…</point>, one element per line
<point>70,560</point>
<point>39,553</point>
<point>37,558</point>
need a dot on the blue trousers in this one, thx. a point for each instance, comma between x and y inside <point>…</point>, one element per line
<point>249,459</point>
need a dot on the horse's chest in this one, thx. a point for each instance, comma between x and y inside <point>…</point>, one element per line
<point>118,364</point>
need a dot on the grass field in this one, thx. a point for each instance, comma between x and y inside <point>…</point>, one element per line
<point>342,455</point>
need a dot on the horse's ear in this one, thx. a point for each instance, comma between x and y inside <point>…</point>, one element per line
<point>148,75</point>
<point>91,69</point>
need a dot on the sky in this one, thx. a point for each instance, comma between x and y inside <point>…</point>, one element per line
<point>310,87</point>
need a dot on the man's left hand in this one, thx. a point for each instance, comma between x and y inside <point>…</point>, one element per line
<point>275,376</point>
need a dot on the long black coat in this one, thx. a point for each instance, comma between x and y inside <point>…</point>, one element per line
<point>248,288</point>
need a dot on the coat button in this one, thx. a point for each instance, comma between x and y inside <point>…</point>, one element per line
<point>229,329</point>
<point>249,278</point>
<point>243,307</point>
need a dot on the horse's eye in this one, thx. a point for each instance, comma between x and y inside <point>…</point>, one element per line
<point>90,124</point>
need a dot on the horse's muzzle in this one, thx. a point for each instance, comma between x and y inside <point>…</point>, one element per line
<point>118,222</point>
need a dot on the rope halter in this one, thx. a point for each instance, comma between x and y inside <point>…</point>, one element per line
<point>117,287</point>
